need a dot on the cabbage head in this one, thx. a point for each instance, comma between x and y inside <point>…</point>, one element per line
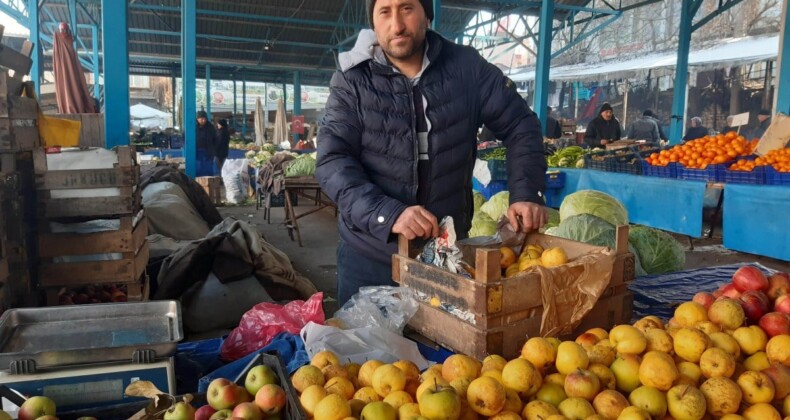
<point>302,166</point>
<point>497,205</point>
<point>482,225</point>
<point>479,199</point>
<point>594,203</point>
<point>658,251</point>
<point>554,218</point>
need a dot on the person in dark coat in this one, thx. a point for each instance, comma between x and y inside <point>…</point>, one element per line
<point>661,134</point>
<point>644,128</point>
<point>695,130</point>
<point>727,128</point>
<point>763,122</point>
<point>553,129</point>
<point>223,143</point>
<point>604,128</point>
<point>397,146</point>
<point>206,136</point>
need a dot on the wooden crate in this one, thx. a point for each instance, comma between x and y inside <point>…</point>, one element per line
<point>503,312</point>
<point>18,118</point>
<point>212,185</point>
<point>125,176</point>
<point>91,128</point>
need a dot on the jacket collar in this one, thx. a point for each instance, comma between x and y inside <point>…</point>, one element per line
<point>366,47</point>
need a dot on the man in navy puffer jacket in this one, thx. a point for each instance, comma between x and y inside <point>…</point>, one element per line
<point>397,146</point>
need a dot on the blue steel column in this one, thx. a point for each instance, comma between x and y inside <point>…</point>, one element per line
<point>188,74</point>
<point>244,105</point>
<point>116,72</point>
<point>544,60</point>
<point>72,5</point>
<point>234,102</point>
<point>95,59</point>
<point>782,94</point>
<point>437,14</point>
<point>173,94</point>
<point>208,91</point>
<point>297,99</point>
<point>681,73</point>
<point>35,69</point>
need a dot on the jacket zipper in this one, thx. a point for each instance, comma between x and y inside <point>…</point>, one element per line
<point>415,140</point>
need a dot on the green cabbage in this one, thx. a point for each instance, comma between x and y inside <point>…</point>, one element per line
<point>554,218</point>
<point>594,203</point>
<point>497,205</point>
<point>304,165</point>
<point>482,225</point>
<point>658,251</point>
<point>479,199</point>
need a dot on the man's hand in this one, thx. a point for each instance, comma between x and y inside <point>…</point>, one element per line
<point>533,216</point>
<point>604,142</point>
<point>416,222</point>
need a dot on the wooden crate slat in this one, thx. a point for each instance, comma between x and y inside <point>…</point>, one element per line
<point>17,138</point>
<point>88,178</point>
<point>96,207</point>
<point>22,108</point>
<point>70,274</point>
<point>53,245</point>
<point>14,60</point>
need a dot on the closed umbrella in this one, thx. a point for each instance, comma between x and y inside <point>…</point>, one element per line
<point>280,134</point>
<point>71,90</point>
<point>260,122</point>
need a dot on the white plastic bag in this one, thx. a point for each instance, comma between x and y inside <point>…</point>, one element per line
<point>234,174</point>
<point>379,307</point>
<point>361,344</point>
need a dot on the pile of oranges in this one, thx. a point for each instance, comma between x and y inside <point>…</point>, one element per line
<point>699,153</point>
<point>778,159</point>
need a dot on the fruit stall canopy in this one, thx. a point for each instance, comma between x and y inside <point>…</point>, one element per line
<point>726,53</point>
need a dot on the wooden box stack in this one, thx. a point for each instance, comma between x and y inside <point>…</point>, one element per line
<point>502,313</point>
<point>68,261</point>
<point>213,187</point>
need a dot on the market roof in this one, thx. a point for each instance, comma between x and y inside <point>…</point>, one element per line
<point>269,40</point>
<point>725,53</point>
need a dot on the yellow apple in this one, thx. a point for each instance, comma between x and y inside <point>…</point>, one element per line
<point>778,349</point>
<point>571,356</point>
<point>587,340</point>
<point>757,362</point>
<point>441,403</point>
<point>495,362</point>
<point>539,351</point>
<point>751,339</point>
<point>551,393</point>
<point>486,396</point>
<point>686,402</point>
<point>366,394</point>
<point>756,387</point>
<point>761,411</point>
<point>496,374</point>
<point>461,385</point>
<point>602,354</point>
<point>634,413</point>
<point>537,410</point>
<point>786,406</point>
<point>379,410</point>
<point>434,385</point>
<point>658,370</point>
<point>727,343</point>
<point>604,374</point>
<point>555,378</point>
<point>601,333</point>
<point>340,386</point>
<point>576,408</point>
<point>310,398</point>
<point>398,398</point>
<point>365,376</point>
<point>324,358</point>
<point>388,378</point>
<point>690,343</point>
<point>609,403</point>
<point>459,365</point>
<point>306,376</point>
<point>627,340</point>
<point>626,371</point>
<point>582,384</point>
<point>408,411</point>
<point>521,376</point>
<point>723,396</point>
<point>731,417</point>
<point>651,322</point>
<point>650,399</point>
<point>512,401</point>
<point>708,327</point>
<point>658,340</point>
<point>689,373</point>
<point>716,362</point>
<point>727,313</point>
<point>689,314</point>
<point>332,407</point>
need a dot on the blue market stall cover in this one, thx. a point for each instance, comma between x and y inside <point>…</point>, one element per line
<point>756,219</point>
<point>659,295</point>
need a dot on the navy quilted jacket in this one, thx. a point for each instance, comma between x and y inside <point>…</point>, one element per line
<point>367,145</point>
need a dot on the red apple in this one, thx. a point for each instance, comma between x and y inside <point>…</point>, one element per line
<point>222,394</point>
<point>270,399</point>
<point>204,413</point>
<point>755,304</point>
<point>780,376</point>
<point>782,304</point>
<point>729,290</point>
<point>247,411</point>
<point>35,407</point>
<point>778,285</point>
<point>704,298</point>
<point>775,323</point>
<point>749,277</point>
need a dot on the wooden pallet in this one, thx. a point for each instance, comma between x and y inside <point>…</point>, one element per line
<point>125,176</point>
<point>212,185</point>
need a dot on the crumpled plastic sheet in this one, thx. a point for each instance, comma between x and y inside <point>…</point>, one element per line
<point>659,295</point>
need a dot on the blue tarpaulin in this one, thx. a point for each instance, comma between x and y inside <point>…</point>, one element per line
<point>757,219</point>
<point>659,295</point>
<point>670,204</point>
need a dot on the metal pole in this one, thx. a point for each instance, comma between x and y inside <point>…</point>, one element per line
<point>116,72</point>
<point>188,86</point>
<point>234,101</point>
<point>782,94</point>
<point>297,99</point>
<point>576,109</point>
<point>625,105</point>
<point>96,64</point>
<point>35,69</point>
<point>681,74</point>
<point>72,5</point>
<point>544,60</point>
<point>244,105</point>
<point>208,92</point>
<point>173,94</point>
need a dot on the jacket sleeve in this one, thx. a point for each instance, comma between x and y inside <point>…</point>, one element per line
<point>591,135</point>
<point>656,133</point>
<point>630,133</point>
<point>340,172</point>
<point>509,117</point>
<point>557,130</point>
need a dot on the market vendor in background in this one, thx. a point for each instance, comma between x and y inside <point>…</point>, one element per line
<point>603,129</point>
<point>206,136</point>
<point>644,128</point>
<point>763,122</point>
<point>397,145</point>
<point>729,126</point>
<point>695,130</point>
<point>553,130</point>
<point>222,144</point>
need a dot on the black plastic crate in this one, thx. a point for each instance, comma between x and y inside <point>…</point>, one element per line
<point>756,176</point>
<point>712,173</point>
<point>669,171</point>
<point>774,177</point>
<point>555,180</point>
<point>601,161</point>
<point>293,408</point>
<point>278,200</point>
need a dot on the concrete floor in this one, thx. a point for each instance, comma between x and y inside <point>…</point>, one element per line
<point>316,259</point>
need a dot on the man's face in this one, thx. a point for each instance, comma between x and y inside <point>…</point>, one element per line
<point>201,121</point>
<point>693,123</point>
<point>607,115</point>
<point>400,27</point>
<point>762,118</point>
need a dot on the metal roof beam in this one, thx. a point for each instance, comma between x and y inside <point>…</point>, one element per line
<point>225,63</point>
<point>245,16</point>
<point>231,38</point>
<point>724,5</point>
<point>15,12</point>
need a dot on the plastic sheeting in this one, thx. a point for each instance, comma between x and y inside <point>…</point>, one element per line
<point>659,295</point>
<point>674,205</point>
<point>756,219</point>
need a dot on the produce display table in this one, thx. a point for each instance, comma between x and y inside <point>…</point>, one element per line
<point>300,186</point>
<point>756,219</point>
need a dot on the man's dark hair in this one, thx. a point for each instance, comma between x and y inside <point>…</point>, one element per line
<point>648,113</point>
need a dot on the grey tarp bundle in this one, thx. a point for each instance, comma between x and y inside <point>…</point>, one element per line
<point>197,196</point>
<point>233,250</point>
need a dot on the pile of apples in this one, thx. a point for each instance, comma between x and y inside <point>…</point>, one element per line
<point>92,294</point>
<point>36,408</point>
<point>260,398</point>
<point>711,360</point>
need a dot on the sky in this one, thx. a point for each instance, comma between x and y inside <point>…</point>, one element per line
<point>11,26</point>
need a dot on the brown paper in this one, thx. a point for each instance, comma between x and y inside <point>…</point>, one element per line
<point>776,136</point>
<point>569,292</point>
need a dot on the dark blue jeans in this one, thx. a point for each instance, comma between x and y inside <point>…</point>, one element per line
<point>355,270</point>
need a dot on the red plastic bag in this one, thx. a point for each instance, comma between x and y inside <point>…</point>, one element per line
<point>265,320</point>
